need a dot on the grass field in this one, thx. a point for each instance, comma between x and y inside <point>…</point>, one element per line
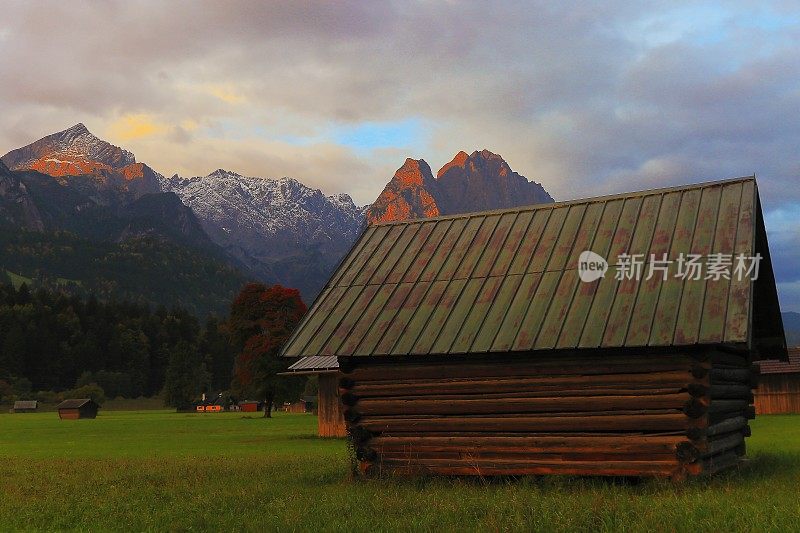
<point>158,470</point>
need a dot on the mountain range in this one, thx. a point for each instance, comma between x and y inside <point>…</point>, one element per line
<point>77,211</point>
<point>275,230</point>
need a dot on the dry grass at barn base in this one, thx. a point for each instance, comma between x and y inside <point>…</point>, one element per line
<point>158,470</point>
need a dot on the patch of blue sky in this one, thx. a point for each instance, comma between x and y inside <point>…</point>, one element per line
<point>708,23</point>
<point>364,137</point>
<point>785,218</point>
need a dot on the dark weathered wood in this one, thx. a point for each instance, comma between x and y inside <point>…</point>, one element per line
<point>722,443</point>
<point>726,426</point>
<point>410,371</point>
<point>533,467</point>
<point>718,463</point>
<point>517,415</point>
<point>727,406</point>
<point>600,422</point>
<point>731,392</point>
<point>348,398</point>
<point>459,454</point>
<point>646,381</point>
<point>554,444</point>
<point>732,375</point>
<point>555,404</point>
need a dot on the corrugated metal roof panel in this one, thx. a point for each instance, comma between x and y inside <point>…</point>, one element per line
<point>315,363</point>
<point>508,280</point>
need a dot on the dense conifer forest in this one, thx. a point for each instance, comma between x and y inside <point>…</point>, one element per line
<point>52,341</point>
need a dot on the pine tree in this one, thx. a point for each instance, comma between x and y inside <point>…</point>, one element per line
<point>186,376</point>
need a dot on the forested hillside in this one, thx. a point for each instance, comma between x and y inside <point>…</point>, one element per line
<point>144,270</point>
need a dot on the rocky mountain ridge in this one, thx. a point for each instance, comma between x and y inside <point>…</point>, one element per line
<point>476,182</point>
<point>278,230</point>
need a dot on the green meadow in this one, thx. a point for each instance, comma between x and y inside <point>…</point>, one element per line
<point>159,470</point>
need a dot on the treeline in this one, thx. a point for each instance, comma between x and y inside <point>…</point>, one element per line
<point>52,342</point>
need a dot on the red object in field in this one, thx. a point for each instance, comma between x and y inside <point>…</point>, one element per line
<point>249,407</point>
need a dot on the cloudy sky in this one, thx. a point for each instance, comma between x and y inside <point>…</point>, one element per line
<point>585,97</point>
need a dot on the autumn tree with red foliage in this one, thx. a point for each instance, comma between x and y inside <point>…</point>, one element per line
<point>262,319</point>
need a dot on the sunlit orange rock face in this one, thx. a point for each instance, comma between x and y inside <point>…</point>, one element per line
<point>409,195</point>
<point>470,182</point>
<point>76,152</point>
<point>58,167</point>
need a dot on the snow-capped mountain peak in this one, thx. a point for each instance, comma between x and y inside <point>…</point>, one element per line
<point>72,149</point>
<point>279,227</point>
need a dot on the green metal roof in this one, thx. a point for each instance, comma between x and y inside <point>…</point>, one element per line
<point>507,280</point>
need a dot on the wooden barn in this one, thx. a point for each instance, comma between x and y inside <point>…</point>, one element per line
<point>25,406</point>
<point>779,386</point>
<point>469,344</point>
<point>78,408</point>
<point>330,416</point>
<point>250,406</point>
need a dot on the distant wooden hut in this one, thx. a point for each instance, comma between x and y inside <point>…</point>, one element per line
<point>295,407</point>
<point>330,417</point>
<point>26,406</point>
<point>471,345</point>
<point>248,406</point>
<point>779,386</point>
<point>78,408</point>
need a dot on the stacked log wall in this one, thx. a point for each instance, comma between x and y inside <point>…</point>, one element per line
<point>666,414</point>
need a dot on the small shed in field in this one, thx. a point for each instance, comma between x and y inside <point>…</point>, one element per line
<point>473,345</point>
<point>77,408</point>
<point>26,406</point>
<point>779,385</point>
<point>330,417</point>
<point>250,406</point>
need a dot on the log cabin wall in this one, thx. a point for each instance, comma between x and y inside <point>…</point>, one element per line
<point>330,415</point>
<point>638,414</point>
<point>778,394</point>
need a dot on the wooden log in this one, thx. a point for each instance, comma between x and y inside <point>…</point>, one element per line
<point>456,406</point>
<point>718,463</point>
<point>530,391</point>
<point>730,375</point>
<point>722,443</point>
<point>727,406</point>
<point>614,444</point>
<point>349,398</point>
<point>669,421</point>
<point>413,455</point>
<point>731,392</point>
<point>498,467</point>
<point>420,387</point>
<point>726,426</point>
<point>499,370</point>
